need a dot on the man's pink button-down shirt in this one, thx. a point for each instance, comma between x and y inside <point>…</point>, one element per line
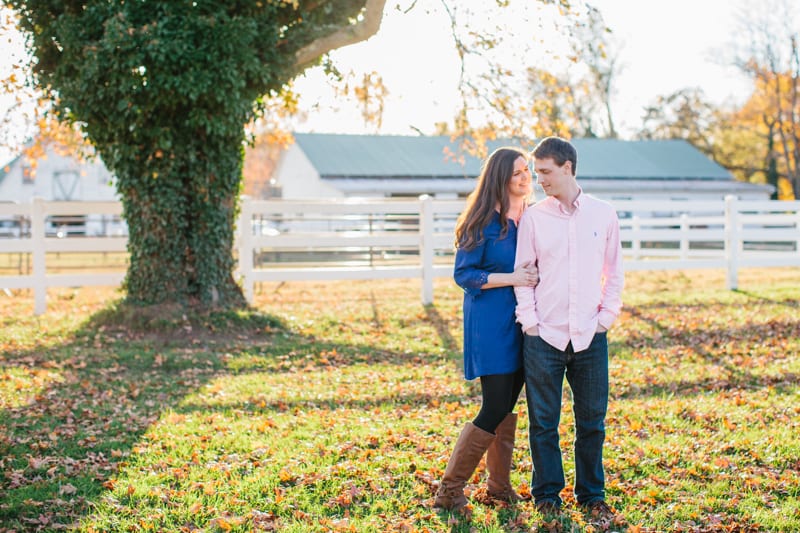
<point>579,257</point>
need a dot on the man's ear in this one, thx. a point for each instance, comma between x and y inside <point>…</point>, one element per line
<point>568,167</point>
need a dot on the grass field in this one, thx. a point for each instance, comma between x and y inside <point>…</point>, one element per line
<point>21,264</point>
<point>333,407</point>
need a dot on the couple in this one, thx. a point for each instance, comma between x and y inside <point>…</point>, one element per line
<point>542,285</point>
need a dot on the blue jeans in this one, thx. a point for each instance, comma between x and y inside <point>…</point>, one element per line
<point>587,374</point>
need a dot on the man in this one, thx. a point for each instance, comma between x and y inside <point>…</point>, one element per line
<point>574,241</point>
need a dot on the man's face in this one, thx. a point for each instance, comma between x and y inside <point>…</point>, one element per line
<point>553,178</point>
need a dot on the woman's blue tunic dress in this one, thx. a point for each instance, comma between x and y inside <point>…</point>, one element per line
<point>492,337</point>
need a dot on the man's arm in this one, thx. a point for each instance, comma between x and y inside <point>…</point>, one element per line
<point>526,254</point>
<point>613,277</point>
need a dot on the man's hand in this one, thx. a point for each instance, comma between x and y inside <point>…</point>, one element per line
<point>601,328</point>
<point>532,331</point>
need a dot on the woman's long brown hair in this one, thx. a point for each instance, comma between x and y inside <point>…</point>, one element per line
<point>490,190</point>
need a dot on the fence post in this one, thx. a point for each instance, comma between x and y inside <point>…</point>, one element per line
<point>38,255</point>
<point>797,231</point>
<point>684,237</point>
<point>732,244</point>
<point>426,247</point>
<point>636,240</point>
<point>246,248</point>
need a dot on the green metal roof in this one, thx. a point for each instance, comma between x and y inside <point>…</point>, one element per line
<point>386,156</point>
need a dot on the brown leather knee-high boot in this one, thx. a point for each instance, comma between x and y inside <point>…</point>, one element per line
<point>470,447</point>
<point>498,461</point>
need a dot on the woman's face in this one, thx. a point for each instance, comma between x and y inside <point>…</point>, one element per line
<point>521,182</point>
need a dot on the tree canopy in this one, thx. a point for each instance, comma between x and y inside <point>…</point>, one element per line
<point>163,91</point>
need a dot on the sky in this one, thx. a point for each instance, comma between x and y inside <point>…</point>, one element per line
<point>664,46</point>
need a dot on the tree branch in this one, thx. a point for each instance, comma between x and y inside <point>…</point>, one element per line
<point>360,31</point>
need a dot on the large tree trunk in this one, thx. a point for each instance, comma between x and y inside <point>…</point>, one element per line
<point>181,215</point>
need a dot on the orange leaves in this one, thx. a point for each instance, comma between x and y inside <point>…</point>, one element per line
<point>730,426</point>
<point>265,425</point>
<point>286,477</point>
<point>175,418</point>
<point>348,494</point>
<point>226,523</point>
<point>722,462</point>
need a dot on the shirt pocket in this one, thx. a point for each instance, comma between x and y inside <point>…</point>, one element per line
<point>596,245</point>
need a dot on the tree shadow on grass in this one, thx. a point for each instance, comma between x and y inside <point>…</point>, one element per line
<point>93,397</point>
<point>442,327</point>
<point>739,352</point>
<point>786,302</point>
<point>260,406</point>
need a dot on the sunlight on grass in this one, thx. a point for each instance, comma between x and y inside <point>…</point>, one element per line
<point>19,385</point>
<point>335,409</point>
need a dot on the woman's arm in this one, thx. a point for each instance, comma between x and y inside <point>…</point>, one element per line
<point>469,273</point>
<point>526,275</point>
<point>472,278</point>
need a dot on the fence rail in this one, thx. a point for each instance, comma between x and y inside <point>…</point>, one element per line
<point>284,240</point>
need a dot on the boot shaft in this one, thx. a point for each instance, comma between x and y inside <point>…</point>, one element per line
<point>472,443</point>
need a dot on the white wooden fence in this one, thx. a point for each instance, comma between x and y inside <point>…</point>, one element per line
<point>282,240</point>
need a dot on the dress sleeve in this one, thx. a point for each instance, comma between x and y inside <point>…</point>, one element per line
<point>468,273</point>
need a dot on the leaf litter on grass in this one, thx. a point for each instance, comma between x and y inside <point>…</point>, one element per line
<point>340,415</point>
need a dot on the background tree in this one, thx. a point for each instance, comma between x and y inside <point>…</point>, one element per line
<point>732,136</point>
<point>557,86</point>
<point>163,91</point>
<point>773,111</point>
<point>769,54</point>
<point>758,140</point>
<point>27,124</point>
<point>595,50</point>
<point>687,114</point>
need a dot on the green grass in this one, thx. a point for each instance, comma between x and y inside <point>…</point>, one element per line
<point>333,407</point>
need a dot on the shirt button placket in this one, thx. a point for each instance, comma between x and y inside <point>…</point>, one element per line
<point>572,244</point>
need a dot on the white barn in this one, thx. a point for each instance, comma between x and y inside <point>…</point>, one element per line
<point>58,177</point>
<point>340,166</point>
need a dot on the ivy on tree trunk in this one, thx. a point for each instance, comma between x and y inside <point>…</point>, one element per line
<point>163,90</point>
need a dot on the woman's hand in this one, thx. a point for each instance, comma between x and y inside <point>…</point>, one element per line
<point>526,275</point>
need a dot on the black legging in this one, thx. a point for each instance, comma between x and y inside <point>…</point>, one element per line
<point>500,393</point>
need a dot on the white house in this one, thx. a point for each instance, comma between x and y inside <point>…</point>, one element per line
<point>339,166</point>
<point>58,177</point>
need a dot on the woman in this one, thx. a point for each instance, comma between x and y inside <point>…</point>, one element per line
<point>486,242</point>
